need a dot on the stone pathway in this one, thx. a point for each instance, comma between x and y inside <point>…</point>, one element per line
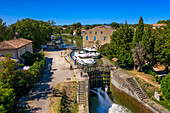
<point>106,61</point>
<point>39,101</point>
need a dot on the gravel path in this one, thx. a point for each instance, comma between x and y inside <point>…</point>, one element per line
<point>39,101</point>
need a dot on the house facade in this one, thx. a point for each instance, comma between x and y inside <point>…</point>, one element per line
<point>99,35</point>
<point>16,47</point>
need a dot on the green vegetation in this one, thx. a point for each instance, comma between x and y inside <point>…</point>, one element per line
<point>7,96</point>
<point>139,33</point>
<point>65,101</point>
<point>165,86</point>
<point>15,83</point>
<point>99,61</point>
<point>4,31</point>
<point>154,43</point>
<point>149,70</point>
<point>37,31</point>
<point>78,33</point>
<point>114,25</point>
<point>120,46</point>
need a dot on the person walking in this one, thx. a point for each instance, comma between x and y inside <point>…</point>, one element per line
<point>49,66</point>
<point>61,53</point>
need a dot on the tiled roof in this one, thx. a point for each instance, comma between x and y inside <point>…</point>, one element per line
<point>158,25</point>
<point>14,44</point>
<point>3,58</point>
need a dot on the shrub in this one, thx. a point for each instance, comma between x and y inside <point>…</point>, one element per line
<point>125,61</point>
<point>38,67</point>
<point>7,98</point>
<point>165,86</point>
<point>149,70</point>
<point>103,49</point>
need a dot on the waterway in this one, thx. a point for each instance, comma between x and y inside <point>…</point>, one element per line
<point>121,103</point>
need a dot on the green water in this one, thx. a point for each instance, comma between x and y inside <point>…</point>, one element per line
<point>125,100</point>
<point>120,98</point>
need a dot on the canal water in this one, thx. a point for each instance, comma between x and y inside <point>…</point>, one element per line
<point>121,103</point>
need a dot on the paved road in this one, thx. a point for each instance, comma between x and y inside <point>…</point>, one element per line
<point>39,101</point>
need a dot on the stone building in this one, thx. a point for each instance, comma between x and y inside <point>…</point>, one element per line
<point>16,47</point>
<point>97,36</point>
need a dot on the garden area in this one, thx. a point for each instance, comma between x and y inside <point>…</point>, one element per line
<point>15,83</point>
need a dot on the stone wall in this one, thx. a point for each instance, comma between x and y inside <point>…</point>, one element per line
<point>99,33</point>
<point>119,80</point>
<point>13,52</point>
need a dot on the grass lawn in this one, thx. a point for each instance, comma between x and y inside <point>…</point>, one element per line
<point>99,61</point>
<point>65,101</point>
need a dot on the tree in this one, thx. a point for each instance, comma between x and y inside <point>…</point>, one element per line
<point>119,46</point>
<point>114,25</point>
<point>87,27</point>
<point>4,31</point>
<point>7,98</point>
<point>78,33</point>
<point>65,26</point>
<point>139,33</point>
<point>138,56</point>
<point>37,31</point>
<point>78,25</point>
<point>148,42</point>
<point>165,86</point>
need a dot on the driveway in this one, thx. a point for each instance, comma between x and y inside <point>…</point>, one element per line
<point>39,101</point>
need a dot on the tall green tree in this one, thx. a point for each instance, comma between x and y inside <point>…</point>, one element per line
<point>120,46</point>
<point>138,33</point>
<point>148,43</point>
<point>4,31</point>
<point>37,31</point>
<point>78,33</point>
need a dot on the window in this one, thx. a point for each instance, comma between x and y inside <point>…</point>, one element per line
<point>86,37</point>
<point>90,32</point>
<point>101,32</point>
<point>24,50</point>
<point>20,52</point>
<point>94,37</point>
<point>96,32</point>
<point>27,49</point>
<point>104,38</point>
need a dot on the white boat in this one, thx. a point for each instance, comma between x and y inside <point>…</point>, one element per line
<point>83,58</point>
<point>92,52</point>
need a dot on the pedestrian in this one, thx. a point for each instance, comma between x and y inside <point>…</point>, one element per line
<point>49,66</point>
<point>61,53</point>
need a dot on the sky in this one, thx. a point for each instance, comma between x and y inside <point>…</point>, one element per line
<point>85,11</point>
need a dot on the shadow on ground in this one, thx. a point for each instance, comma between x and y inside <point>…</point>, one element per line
<point>42,89</point>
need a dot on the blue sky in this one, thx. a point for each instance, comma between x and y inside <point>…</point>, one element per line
<point>85,11</point>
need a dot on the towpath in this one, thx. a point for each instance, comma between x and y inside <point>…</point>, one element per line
<point>39,101</point>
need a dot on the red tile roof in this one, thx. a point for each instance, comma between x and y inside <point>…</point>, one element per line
<point>14,44</point>
<point>158,25</point>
